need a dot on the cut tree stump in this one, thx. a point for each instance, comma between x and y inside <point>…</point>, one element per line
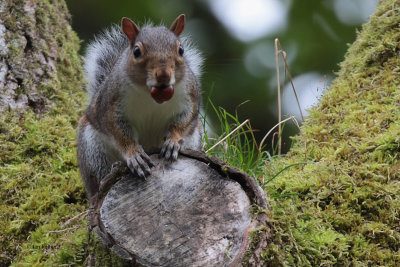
<point>195,211</point>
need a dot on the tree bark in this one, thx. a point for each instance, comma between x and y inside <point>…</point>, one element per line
<point>32,35</point>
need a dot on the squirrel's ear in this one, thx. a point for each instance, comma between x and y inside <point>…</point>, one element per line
<point>178,25</point>
<point>130,29</point>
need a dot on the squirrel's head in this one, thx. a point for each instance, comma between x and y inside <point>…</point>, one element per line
<point>156,57</point>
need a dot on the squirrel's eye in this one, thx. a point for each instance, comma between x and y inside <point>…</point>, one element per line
<point>180,51</point>
<point>136,52</point>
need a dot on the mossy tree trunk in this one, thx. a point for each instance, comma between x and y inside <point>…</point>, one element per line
<point>343,208</point>
<point>41,94</point>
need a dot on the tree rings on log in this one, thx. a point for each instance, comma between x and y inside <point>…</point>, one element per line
<point>195,211</point>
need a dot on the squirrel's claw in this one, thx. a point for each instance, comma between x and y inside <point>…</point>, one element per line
<point>147,159</point>
<point>140,164</point>
<point>171,149</point>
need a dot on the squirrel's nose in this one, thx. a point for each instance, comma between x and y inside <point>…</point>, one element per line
<point>163,76</point>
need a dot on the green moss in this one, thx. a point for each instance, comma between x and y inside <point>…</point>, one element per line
<point>40,184</point>
<point>344,209</point>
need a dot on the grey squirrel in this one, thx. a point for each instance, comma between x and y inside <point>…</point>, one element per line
<point>144,95</point>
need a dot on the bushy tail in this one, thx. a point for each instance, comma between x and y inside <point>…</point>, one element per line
<point>193,57</point>
<point>102,55</point>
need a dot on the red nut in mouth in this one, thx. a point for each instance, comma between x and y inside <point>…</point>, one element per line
<point>162,93</point>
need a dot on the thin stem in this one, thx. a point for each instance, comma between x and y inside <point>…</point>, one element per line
<point>223,139</point>
<point>291,82</point>
<point>279,93</point>
<point>276,125</point>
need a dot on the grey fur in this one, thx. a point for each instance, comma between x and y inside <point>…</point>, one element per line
<point>103,53</point>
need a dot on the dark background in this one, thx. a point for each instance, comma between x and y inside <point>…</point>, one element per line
<point>314,33</point>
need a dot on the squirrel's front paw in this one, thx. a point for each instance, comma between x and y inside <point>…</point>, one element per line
<point>140,164</point>
<point>171,149</point>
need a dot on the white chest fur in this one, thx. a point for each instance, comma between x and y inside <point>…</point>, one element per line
<point>148,119</point>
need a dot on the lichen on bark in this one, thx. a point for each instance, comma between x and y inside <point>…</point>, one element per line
<point>37,48</point>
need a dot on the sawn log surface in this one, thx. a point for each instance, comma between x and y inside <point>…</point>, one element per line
<point>184,214</point>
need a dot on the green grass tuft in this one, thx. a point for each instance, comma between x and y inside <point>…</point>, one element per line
<point>239,149</point>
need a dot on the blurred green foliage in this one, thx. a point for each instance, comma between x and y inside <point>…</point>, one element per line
<point>319,40</point>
